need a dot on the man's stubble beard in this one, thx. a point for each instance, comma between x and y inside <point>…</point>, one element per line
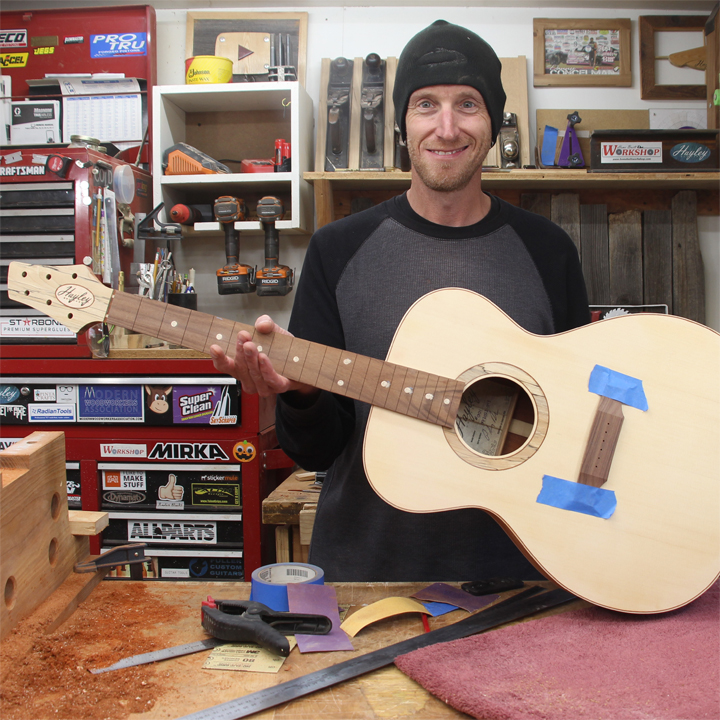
<point>439,177</point>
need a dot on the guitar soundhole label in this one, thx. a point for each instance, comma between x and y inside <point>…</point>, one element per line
<point>487,421</point>
<point>502,418</point>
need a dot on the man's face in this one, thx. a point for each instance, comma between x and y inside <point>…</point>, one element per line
<point>448,135</point>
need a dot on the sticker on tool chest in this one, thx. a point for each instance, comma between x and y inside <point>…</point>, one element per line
<point>191,404</point>
<point>210,488</point>
<point>191,529</point>
<point>186,564</point>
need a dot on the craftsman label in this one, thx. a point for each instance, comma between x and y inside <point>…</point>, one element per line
<point>74,296</point>
<point>630,152</point>
<point>13,60</point>
<point>121,450</point>
<point>13,38</point>
<point>110,403</point>
<point>187,451</point>
<point>690,152</point>
<point>40,413</point>
<point>19,171</point>
<point>175,532</point>
<point>118,45</point>
<point>124,480</point>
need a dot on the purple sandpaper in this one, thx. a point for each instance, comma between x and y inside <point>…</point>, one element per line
<point>318,600</point>
<point>440,592</point>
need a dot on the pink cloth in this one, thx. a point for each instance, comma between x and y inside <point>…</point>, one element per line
<point>590,664</point>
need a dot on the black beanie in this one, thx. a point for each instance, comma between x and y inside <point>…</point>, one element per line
<point>445,54</point>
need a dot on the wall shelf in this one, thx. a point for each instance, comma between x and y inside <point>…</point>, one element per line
<point>327,183</point>
<point>233,122</point>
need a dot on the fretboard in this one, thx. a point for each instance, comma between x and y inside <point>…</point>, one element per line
<point>415,393</point>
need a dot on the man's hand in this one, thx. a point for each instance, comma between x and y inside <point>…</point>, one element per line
<point>252,368</point>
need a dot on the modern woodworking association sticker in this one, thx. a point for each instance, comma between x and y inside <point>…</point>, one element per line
<point>244,451</point>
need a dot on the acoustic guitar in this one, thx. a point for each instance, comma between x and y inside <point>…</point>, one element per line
<point>597,449</point>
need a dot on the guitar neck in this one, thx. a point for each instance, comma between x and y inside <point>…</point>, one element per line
<point>428,397</point>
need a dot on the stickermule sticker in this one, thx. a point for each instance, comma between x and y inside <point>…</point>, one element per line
<point>74,296</point>
<point>244,451</point>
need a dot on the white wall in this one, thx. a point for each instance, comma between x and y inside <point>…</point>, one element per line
<point>357,31</point>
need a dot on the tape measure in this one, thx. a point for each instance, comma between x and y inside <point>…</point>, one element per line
<point>525,603</point>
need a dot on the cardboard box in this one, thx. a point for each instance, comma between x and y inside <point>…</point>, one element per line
<point>35,122</point>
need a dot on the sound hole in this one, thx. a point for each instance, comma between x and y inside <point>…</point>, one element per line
<point>496,416</point>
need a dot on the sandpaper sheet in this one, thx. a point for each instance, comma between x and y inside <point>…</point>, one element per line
<point>590,664</point>
<point>318,600</point>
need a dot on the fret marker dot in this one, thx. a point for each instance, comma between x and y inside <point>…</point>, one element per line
<point>296,359</point>
<point>385,384</point>
<point>341,383</point>
<point>446,401</point>
<point>408,390</point>
<point>218,336</point>
<point>173,323</point>
<point>259,348</point>
<point>429,396</point>
<point>347,361</point>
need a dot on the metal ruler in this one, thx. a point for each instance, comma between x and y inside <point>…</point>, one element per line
<point>528,602</point>
<point>165,654</point>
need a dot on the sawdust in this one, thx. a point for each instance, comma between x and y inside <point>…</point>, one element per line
<point>48,676</point>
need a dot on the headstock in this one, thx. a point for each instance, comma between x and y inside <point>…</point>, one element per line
<point>70,294</point>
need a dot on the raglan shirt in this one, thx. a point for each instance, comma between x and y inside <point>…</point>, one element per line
<point>360,276</point>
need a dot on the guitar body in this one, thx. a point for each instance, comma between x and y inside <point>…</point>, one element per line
<point>660,548</point>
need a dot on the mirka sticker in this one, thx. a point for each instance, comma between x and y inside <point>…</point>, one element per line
<point>244,451</point>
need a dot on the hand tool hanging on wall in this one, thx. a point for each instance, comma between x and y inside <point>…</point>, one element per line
<point>281,68</point>
<point>190,214</point>
<point>233,277</point>
<point>372,95</point>
<point>338,120</point>
<point>570,152</point>
<point>273,279</point>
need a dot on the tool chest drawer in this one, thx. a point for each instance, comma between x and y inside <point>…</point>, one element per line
<point>186,564</point>
<point>189,488</point>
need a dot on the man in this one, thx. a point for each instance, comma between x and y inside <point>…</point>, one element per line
<point>363,272</point>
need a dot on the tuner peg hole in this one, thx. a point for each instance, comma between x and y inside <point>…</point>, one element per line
<point>26,293</point>
<point>48,276</point>
<point>70,316</point>
<point>24,273</point>
<point>48,302</point>
<point>74,276</point>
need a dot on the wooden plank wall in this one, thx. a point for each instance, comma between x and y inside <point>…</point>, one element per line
<point>634,257</point>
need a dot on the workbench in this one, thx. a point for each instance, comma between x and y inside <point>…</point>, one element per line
<point>291,508</point>
<point>47,676</point>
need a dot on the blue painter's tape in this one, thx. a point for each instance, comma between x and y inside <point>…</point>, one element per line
<point>549,145</point>
<point>616,386</point>
<point>574,496</point>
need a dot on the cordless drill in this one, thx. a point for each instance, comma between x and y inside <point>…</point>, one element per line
<point>234,277</point>
<point>273,279</point>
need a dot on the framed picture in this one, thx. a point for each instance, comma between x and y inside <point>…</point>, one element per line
<point>253,41</point>
<point>581,52</point>
<point>649,26</point>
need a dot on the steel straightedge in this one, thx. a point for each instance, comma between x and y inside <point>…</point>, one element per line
<point>525,603</point>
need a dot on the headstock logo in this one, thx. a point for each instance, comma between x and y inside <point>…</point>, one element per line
<point>74,296</point>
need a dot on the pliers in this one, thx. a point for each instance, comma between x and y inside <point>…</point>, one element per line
<point>249,621</point>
